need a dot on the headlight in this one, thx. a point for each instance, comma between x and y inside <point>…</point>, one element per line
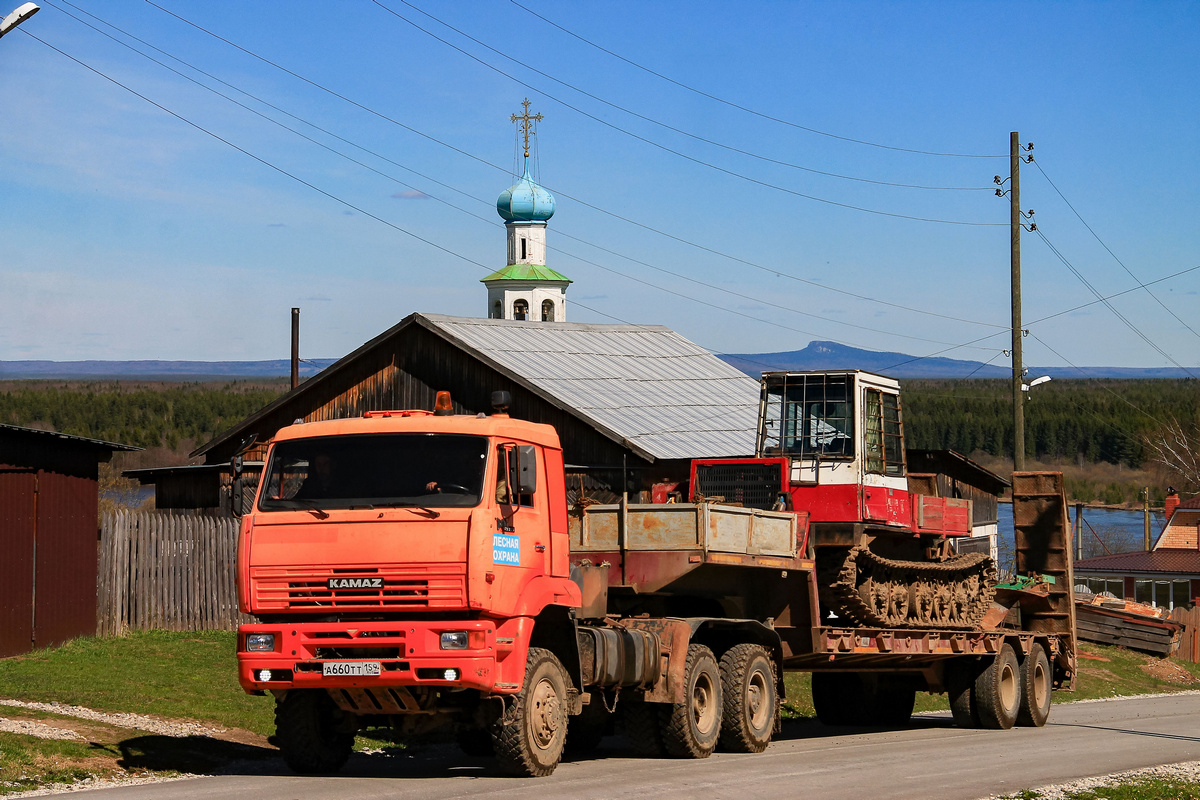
<point>454,640</point>
<point>264,675</point>
<point>450,675</point>
<point>260,642</point>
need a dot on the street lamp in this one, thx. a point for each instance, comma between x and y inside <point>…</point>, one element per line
<point>1034,382</point>
<point>14,19</point>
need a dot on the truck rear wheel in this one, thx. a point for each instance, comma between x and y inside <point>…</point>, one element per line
<point>835,697</point>
<point>314,735</point>
<point>1035,688</point>
<point>529,738</point>
<point>998,691</point>
<point>960,686</point>
<point>588,727</point>
<point>750,699</point>
<point>691,728</point>
<point>642,724</point>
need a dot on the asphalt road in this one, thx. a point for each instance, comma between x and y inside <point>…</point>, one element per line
<point>930,759</point>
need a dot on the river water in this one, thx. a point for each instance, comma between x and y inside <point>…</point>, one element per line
<point>1120,531</point>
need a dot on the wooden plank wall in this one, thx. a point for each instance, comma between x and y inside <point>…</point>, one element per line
<point>166,571</point>
<point>1189,641</point>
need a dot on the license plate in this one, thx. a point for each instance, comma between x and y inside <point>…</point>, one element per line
<point>353,668</point>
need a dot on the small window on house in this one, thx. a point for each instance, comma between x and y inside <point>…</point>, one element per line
<point>497,310</point>
<point>523,251</point>
<point>547,311</point>
<point>520,309</point>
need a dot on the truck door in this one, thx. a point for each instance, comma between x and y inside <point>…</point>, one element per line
<point>522,535</point>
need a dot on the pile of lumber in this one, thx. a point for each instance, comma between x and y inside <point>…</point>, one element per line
<point>1107,620</point>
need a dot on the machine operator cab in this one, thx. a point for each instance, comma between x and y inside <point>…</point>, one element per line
<point>839,431</point>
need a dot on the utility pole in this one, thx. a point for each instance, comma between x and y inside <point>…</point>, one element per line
<point>295,347</point>
<point>1014,200</point>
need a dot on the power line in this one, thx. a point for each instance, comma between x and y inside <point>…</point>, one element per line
<point>644,117</point>
<point>1116,295</point>
<point>1128,271</point>
<point>644,226</point>
<point>740,107</point>
<point>459,208</point>
<point>1109,305</point>
<point>685,156</point>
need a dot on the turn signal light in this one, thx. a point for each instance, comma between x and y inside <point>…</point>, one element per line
<point>442,406</point>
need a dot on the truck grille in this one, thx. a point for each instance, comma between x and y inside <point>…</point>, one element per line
<point>412,587</point>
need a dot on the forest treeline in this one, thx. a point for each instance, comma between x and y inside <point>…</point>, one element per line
<point>143,415</point>
<point>1079,421</point>
<point>1085,421</point>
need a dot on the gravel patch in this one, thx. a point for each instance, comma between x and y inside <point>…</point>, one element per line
<point>96,783</point>
<point>1185,771</point>
<point>138,722</point>
<point>38,729</point>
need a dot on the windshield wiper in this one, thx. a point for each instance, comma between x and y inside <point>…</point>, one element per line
<point>405,504</point>
<point>312,506</point>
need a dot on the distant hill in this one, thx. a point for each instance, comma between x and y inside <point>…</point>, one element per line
<point>831,356</point>
<point>818,356</point>
<point>161,370</point>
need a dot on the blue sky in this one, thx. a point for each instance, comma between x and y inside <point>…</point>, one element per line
<point>129,233</point>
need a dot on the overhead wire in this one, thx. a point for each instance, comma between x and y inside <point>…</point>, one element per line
<point>1128,271</point>
<point>1058,254</point>
<point>465,211</point>
<point>746,109</point>
<point>680,154</point>
<point>599,209</point>
<point>646,118</point>
<point>383,174</point>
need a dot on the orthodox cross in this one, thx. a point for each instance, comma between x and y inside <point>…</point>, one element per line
<point>526,126</point>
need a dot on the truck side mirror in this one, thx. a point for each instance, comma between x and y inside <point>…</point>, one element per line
<point>526,482</point>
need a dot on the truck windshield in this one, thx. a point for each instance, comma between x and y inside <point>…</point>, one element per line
<point>809,416</point>
<point>375,471</point>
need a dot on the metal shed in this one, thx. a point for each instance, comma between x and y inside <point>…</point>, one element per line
<point>48,535</point>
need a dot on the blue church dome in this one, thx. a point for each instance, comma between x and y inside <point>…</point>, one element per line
<point>525,201</point>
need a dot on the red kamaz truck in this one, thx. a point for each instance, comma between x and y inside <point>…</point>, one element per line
<point>419,570</point>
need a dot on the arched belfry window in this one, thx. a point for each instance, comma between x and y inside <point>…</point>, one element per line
<point>547,311</point>
<point>520,309</point>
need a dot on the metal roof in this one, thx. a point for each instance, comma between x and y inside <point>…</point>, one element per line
<point>66,437</point>
<point>1172,560</point>
<point>654,389</point>
<point>643,386</point>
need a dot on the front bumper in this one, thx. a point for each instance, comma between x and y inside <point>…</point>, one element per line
<point>409,654</point>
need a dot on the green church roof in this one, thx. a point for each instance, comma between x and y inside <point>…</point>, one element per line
<point>526,272</point>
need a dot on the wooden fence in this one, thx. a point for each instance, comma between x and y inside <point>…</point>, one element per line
<point>166,571</point>
<point>1189,642</point>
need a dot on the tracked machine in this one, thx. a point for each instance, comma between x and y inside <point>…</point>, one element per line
<point>832,444</point>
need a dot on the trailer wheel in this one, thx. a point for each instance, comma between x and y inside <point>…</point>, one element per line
<point>691,728</point>
<point>960,686</point>
<point>998,691</point>
<point>892,701</point>
<point>835,697</point>
<point>529,738</point>
<point>750,699</point>
<point>642,724</point>
<point>314,735</point>
<point>1035,688</point>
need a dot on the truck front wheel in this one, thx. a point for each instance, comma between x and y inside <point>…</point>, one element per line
<point>529,738</point>
<point>751,702</point>
<point>691,728</point>
<point>314,735</point>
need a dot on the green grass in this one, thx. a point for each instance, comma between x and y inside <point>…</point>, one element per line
<point>175,675</point>
<point>1139,789</point>
<point>27,763</point>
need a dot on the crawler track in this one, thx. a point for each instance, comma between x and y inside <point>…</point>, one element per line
<point>873,591</point>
